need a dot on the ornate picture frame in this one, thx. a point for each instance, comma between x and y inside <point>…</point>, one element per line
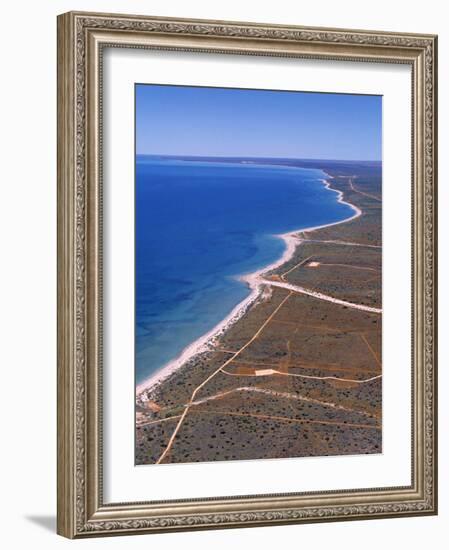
<point>82,38</point>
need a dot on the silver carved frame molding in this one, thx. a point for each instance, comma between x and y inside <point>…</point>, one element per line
<point>81,39</point>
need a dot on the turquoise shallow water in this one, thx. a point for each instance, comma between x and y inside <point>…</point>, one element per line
<point>198,225</point>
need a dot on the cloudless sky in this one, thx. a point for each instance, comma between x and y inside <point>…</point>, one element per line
<point>188,120</point>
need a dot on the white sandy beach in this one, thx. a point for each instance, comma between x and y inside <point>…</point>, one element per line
<point>256,283</point>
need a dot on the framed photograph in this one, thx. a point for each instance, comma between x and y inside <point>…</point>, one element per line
<point>246,274</point>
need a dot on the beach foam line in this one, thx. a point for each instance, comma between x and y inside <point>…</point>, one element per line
<point>201,345</point>
<point>256,283</point>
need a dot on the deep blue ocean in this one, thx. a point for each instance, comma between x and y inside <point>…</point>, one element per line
<point>198,225</point>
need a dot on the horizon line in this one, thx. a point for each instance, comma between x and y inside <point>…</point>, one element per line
<point>256,157</point>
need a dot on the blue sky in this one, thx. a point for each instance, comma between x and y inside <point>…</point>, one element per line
<point>188,120</point>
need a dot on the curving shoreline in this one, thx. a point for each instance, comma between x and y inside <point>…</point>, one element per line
<point>256,283</point>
